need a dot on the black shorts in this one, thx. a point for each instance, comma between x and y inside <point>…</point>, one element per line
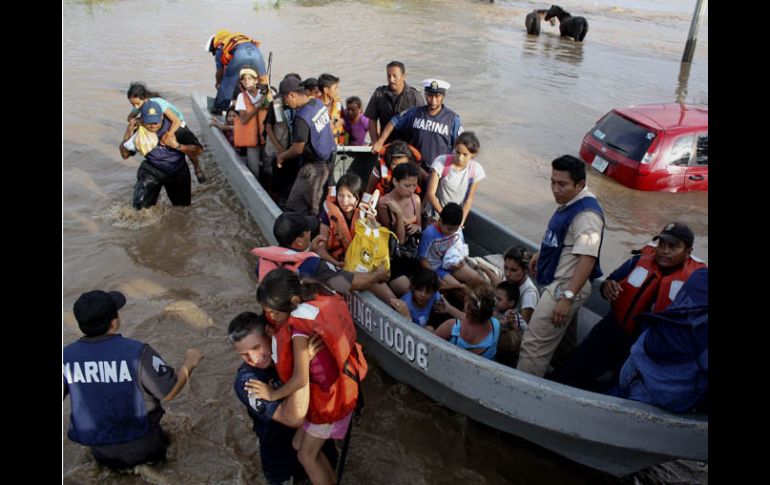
<point>185,136</point>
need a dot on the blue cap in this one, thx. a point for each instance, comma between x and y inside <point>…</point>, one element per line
<point>151,112</point>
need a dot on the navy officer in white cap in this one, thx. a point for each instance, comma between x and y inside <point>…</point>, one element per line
<point>433,128</point>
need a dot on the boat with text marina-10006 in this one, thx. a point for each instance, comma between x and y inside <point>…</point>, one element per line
<point>614,435</point>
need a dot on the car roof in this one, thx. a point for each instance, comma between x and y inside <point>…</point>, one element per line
<point>668,116</point>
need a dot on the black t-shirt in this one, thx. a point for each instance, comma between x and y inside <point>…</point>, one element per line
<point>301,133</point>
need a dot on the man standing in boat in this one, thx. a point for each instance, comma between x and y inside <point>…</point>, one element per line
<point>648,281</point>
<point>390,100</point>
<point>312,140</point>
<point>232,52</point>
<point>432,129</point>
<point>566,264</point>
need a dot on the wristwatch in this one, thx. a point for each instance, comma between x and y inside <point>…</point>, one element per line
<point>568,295</point>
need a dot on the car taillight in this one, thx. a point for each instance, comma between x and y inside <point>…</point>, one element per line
<point>644,164</point>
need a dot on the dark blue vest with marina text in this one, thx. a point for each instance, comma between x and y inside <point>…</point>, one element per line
<point>162,157</point>
<point>107,401</point>
<point>317,118</point>
<point>553,240</point>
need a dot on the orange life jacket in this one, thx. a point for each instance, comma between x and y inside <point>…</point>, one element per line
<point>385,183</point>
<point>646,287</point>
<point>272,257</point>
<point>230,42</point>
<point>335,113</point>
<point>340,233</point>
<point>329,317</point>
<point>252,133</point>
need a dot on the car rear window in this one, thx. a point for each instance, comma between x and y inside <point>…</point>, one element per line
<point>624,135</point>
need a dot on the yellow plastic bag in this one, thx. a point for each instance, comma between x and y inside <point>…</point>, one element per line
<point>145,140</point>
<point>369,248</point>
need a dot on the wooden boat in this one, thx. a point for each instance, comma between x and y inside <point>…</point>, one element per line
<point>614,435</point>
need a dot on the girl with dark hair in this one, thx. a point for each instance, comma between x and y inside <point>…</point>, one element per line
<point>295,311</point>
<point>138,94</point>
<point>479,331</point>
<point>338,217</point>
<point>455,177</point>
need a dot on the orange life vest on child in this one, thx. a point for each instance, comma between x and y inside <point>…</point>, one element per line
<point>340,233</point>
<point>230,41</point>
<point>252,133</point>
<point>272,257</point>
<point>385,183</point>
<point>329,317</point>
<point>645,284</point>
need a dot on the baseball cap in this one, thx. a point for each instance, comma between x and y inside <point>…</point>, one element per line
<point>290,225</point>
<point>675,232</point>
<point>289,85</point>
<point>94,310</point>
<point>151,112</point>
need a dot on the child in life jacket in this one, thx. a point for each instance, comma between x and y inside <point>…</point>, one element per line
<point>295,311</point>
<point>393,154</point>
<point>251,105</point>
<point>454,178</point>
<point>338,217</point>
<point>138,94</point>
<point>227,127</point>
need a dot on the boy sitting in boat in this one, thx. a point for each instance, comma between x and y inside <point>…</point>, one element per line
<point>356,124</point>
<point>418,303</point>
<point>436,240</point>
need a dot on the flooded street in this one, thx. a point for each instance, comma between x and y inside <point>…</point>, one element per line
<point>187,271</point>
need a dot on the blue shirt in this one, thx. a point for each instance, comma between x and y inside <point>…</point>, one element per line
<point>420,316</point>
<point>279,461</point>
<point>432,135</point>
<point>434,245</point>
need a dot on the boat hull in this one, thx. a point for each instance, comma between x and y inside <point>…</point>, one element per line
<point>614,435</point>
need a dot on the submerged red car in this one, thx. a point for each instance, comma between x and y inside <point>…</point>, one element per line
<point>661,147</point>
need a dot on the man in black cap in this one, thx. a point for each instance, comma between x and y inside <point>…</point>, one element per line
<point>432,129</point>
<point>390,100</point>
<point>312,141</point>
<point>117,385</point>
<point>648,281</point>
<point>292,231</point>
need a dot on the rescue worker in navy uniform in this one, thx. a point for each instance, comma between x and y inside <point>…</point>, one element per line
<point>312,140</point>
<point>117,385</point>
<point>648,281</point>
<point>163,166</point>
<point>274,421</point>
<point>433,128</point>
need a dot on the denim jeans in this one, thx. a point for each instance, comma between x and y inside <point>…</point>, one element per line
<point>246,54</point>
